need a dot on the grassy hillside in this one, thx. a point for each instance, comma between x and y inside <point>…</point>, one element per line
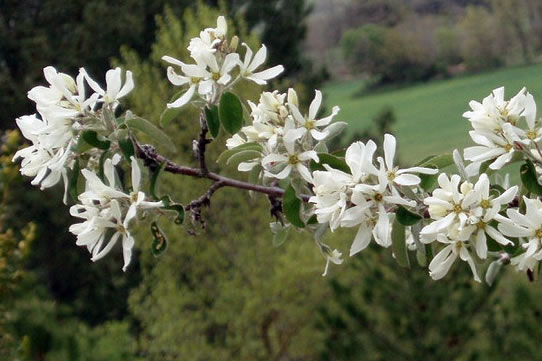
<point>429,116</point>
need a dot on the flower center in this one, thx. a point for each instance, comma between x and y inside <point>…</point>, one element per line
<point>485,204</point>
<point>133,197</point>
<point>216,76</point>
<point>195,80</point>
<point>481,225</point>
<point>457,208</point>
<point>378,197</point>
<point>293,159</point>
<point>391,175</point>
<point>120,228</point>
<point>531,134</point>
<point>309,124</point>
<point>508,147</point>
<point>538,233</point>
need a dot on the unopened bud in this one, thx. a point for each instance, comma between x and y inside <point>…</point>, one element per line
<point>292,97</point>
<point>234,42</point>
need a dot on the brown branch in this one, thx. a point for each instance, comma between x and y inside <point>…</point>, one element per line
<point>201,143</point>
<point>196,205</point>
<point>153,159</point>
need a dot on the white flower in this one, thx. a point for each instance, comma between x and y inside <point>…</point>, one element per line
<point>330,197</point>
<point>114,88</point>
<point>92,232</point>
<point>209,38</point>
<point>448,205</point>
<point>400,177</point>
<point>493,146</point>
<point>331,256</point>
<point>250,64</point>
<point>137,197</point>
<point>483,210</point>
<point>534,134</point>
<point>291,160</point>
<point>441,263</point>
<point>310,124</point>
<point>494,111</point>
<point>529,226</point>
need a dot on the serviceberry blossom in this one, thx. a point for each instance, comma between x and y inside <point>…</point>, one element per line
<point>103,206</point>
<point>250,64</point>
<point>216,62</point>
<point>367,196</point>
<point>462,215</point>
<point>526,226</point>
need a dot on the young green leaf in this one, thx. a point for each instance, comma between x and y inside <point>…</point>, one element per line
<point>127,148</point>
<point>213,122</point>
<point>331,160</point>
<point>243,156</point>
<point>398,244</point>
<point>406,217</point>
<point>159,242</point>
<point>154,181</point>
<point>92,138</point>
<point>280,233</point>
<point>170,113</point>
<point>151,130</point>
<point>243,147</point>
<point>175,207</point>
<point>529,178</point>
<point>230,112</point>
<point>73,181</point>
<point>291,206</point>
<point>437,161</point>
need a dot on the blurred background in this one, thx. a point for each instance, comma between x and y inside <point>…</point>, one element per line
<point>407,67</point>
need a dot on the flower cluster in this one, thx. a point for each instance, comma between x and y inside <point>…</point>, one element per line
<point>215,60</point>
<point>105,208</point>
<point>368,195</point>
<point>463,217</point>
<point>497,128</point>
<point>288,139</point>
<point>64,111</point>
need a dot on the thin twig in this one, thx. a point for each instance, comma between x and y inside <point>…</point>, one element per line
<point>153,159</point>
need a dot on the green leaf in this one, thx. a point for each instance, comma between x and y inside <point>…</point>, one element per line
<point>247,146</point>
<point>230,112</point>
<point>280,233</point>
<point>171,113</point>
<point>406,217</point>
<point>291,205</point>
<point>151,130</point>
<point>82,146</point>
<point>92,138</point>
<point>103,157</point>
<point>399,244</point>
<point>254,175</point>
<point>176,207</point>
<point>529,178</point>
<point>154,180</point>
<point>159,242</point>
<point>213,122</point>
<point>331,160</point>
<point>127,148</point>
<point>428,181</point>
<point>73,181</point>
<point>243,156</point>
<point>437,161</point>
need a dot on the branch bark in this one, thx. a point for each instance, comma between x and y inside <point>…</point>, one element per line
<point>153,159</point>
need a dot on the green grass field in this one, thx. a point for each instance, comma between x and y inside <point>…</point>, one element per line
<point>429,116</point>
